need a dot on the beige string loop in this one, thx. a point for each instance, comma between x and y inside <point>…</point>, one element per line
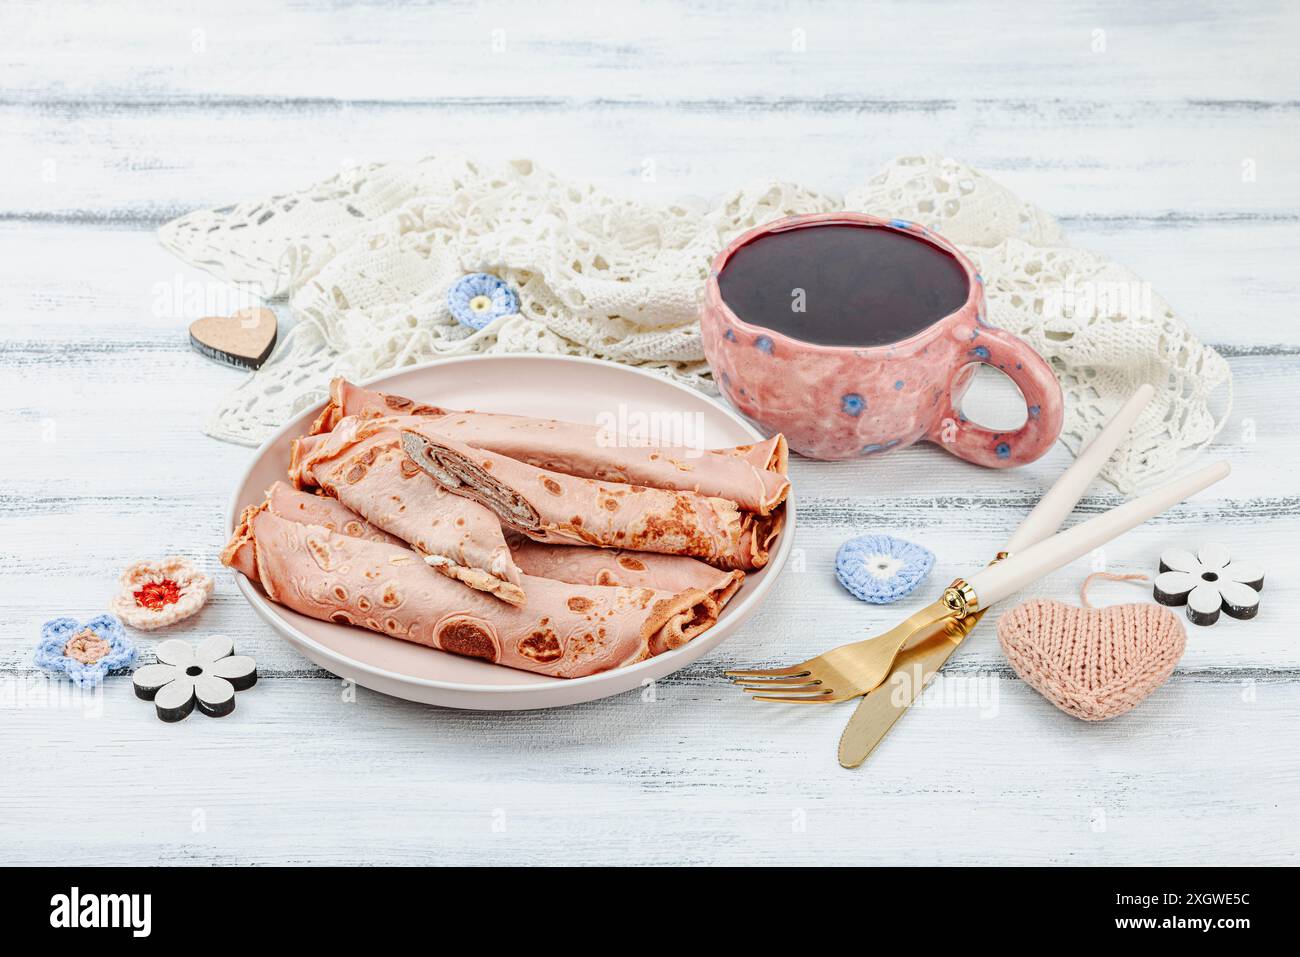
<point>1083,589</point>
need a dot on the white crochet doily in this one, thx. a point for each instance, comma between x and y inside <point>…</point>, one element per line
<point>365,260</point>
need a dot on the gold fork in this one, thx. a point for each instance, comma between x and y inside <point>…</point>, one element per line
<point>849,670</point>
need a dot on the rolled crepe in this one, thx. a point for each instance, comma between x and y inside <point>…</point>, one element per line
<point>750,475</point>
<point>583,565</point>
<point>305,508</point>
<point>552,507</point>
<point>361,464</point>
<point>309,509</point>
<point>300,453</point>
<point>347,399</point>
<point>566,631</point>
<point>575,564</point>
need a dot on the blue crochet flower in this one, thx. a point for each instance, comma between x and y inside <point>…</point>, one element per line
<point>84,652</point>
<point>881,568</point>
<point>479,298</point>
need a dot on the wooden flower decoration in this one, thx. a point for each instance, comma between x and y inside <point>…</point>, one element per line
<point>157,594</point>
<point>1209,582</point>
<point>186,676</point>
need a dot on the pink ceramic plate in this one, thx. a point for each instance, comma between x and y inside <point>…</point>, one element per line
<point>561,387</point>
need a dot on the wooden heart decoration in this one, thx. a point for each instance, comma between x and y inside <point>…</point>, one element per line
<point>244,339</point>
<point>1093,663</point>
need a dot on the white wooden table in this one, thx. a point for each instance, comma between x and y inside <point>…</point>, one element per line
<point>1170,145</point>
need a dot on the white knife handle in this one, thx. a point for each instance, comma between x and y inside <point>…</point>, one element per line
<point>1062,497</point>
<point>998,581</point>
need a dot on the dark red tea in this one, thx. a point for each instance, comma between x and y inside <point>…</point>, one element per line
<point>838,284</point>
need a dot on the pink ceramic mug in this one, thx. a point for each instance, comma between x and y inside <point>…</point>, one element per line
<point>837,402</point>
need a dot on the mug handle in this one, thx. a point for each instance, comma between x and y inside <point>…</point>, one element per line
<point>1042,393</point>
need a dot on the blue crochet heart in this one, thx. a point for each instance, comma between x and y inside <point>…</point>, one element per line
<point>881,568</point>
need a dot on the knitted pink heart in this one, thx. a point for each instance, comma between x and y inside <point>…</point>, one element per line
<point>1093,663</point>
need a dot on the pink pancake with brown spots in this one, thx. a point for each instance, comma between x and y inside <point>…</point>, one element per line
<point>307,508</point>
<point>575,564</point>
<point>549,506</point>
<point>750,475</point>
<point>583,565</point>
<point>566,630</point>
<point>362,464</point>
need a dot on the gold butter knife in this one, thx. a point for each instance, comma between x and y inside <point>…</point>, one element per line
<point>914,669</point>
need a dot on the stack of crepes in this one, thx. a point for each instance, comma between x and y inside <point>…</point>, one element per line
<point>548,546</point>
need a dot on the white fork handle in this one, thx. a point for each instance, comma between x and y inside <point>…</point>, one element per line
<point>1062,497</point>
<point>996,582</point>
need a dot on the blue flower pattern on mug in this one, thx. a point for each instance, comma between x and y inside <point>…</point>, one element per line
<point>898,385</point>
<point>981,351</point>
<point>481,298</point>
<point>1003,450</point>
<point>764,345</point>
<point>852,403</point>
<point>879,447</point>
